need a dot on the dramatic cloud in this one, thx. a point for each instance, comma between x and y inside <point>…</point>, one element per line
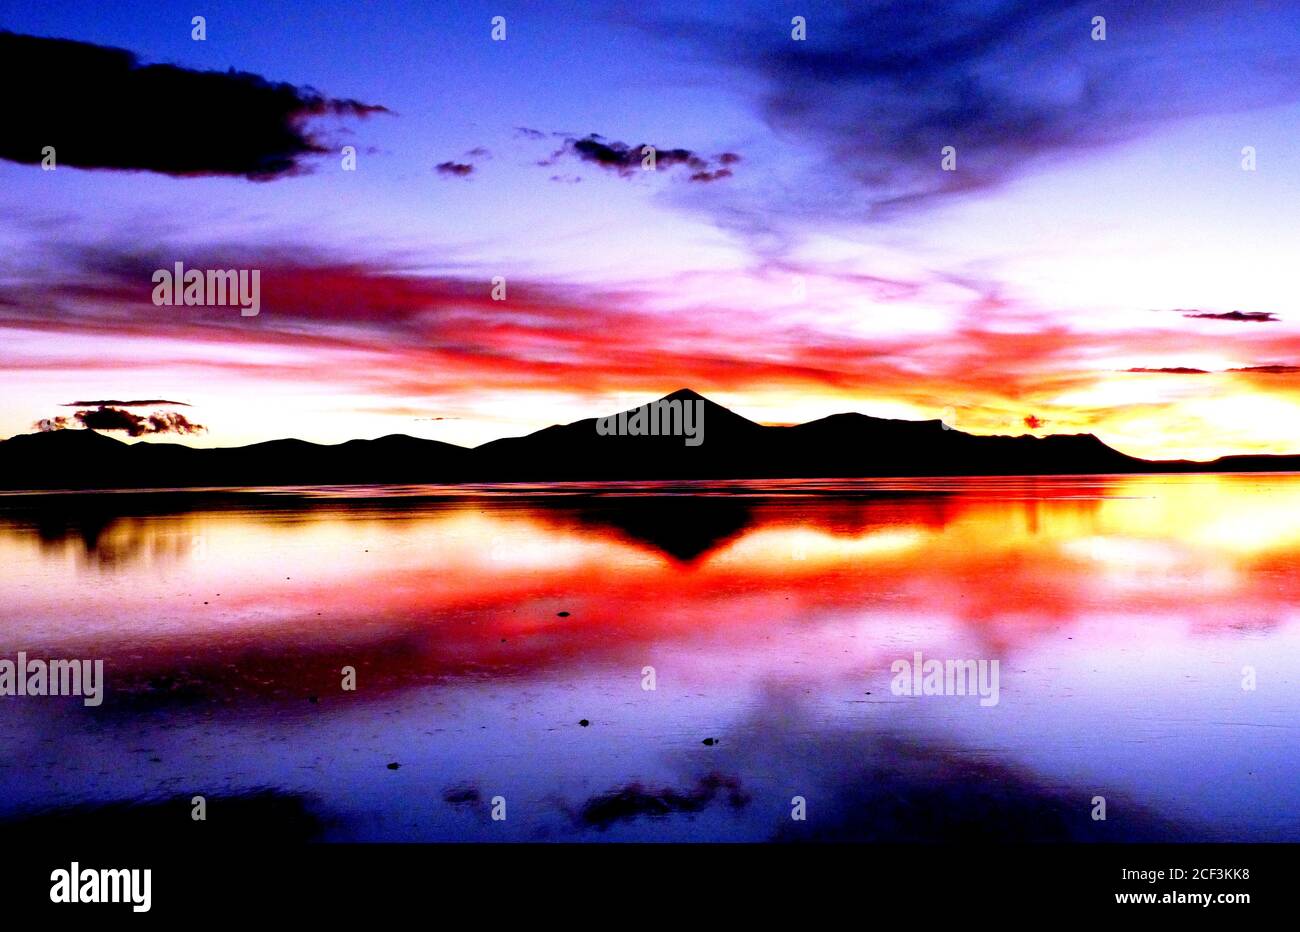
<point>454,169</point>
<point>878,88</point>
<point>1033,422</point>
<point>626,160</point>
<point>1249,317</point>
<point>112,402</point>
<point>135,425</point>
<point>98,107</point>
<point>406,341</point>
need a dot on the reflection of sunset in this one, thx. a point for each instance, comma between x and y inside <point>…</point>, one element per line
<point>484,622</point>
<point>778,547</point>
<point>1005,560</point>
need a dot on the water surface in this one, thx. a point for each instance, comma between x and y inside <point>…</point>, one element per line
<point>1130,616</point>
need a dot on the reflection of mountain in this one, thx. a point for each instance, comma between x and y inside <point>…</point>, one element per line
<point>113,530</point>
<point>684,528</point>
<point>843,445</point>
<point>266,814</point>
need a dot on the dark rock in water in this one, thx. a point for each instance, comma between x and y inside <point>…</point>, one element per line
<point>584,723</point>
<point>710,741</point>
<point>394,765</point>
<point>562,614</point>
<point>458,795</point>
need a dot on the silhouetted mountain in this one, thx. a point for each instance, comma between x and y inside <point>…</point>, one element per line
<point>86,459</point>
<point>730,447</point>
<point>578,451</point>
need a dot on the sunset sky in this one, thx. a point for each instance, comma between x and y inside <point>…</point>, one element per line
<point>798,251</point>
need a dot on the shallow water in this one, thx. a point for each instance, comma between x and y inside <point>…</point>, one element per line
<point>1123,613</point>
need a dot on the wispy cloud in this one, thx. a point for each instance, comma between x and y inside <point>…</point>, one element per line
<point>879,87</point>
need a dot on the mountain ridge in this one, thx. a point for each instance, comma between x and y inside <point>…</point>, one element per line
<point>843,445</point>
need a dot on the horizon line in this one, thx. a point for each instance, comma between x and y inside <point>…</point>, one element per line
<point>671,396</point>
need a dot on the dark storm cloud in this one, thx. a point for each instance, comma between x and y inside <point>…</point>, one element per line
<point>99,107</point>
<point>134,425</point>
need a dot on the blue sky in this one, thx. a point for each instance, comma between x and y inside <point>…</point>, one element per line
<point>1099,220</point>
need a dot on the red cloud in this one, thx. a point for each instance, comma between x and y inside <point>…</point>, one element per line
<point>381,329</point>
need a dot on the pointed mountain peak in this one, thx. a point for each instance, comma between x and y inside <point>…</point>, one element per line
<point>684,394</point>
<point>716,412</point>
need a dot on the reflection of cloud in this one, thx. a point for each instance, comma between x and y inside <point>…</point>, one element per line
<point>877,782</point>
<point>635,801</point>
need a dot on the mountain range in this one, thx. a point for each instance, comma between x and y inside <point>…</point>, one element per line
<point>733,447</point>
